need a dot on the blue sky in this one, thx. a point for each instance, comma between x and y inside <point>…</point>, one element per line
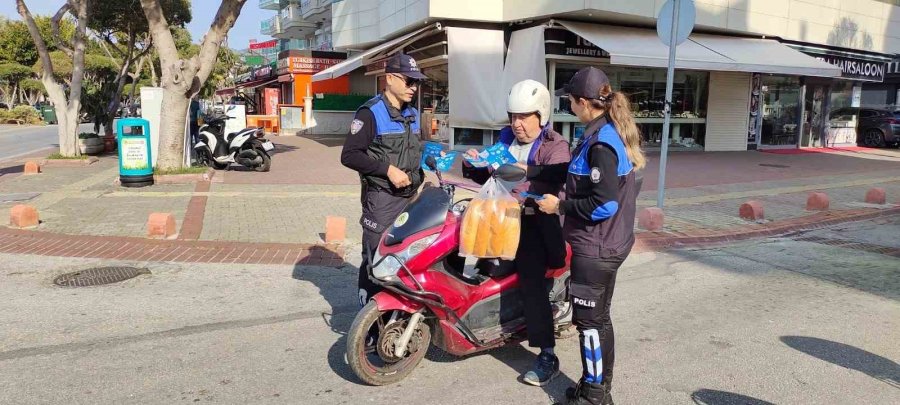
<point>246,27</point>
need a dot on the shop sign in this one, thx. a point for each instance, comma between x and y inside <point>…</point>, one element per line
<point>568,43</point>
<point>262,72</point>
<point>854,68</point>
<point>755,111</point>
<point>305,64</point>
<point>264,45</point>
<point>254,60</point>
<point>893,68</point>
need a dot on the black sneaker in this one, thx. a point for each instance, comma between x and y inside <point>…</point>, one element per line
<point>545,368</point>
<point>588,394</point>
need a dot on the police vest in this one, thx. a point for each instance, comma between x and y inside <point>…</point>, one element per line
<point>611,230</point>
<point>398,143</point>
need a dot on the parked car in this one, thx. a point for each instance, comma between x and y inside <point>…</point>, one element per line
<point>875,128</point>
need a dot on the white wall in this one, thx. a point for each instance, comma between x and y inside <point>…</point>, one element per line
<point>861,24</point>
<point>727,116</point>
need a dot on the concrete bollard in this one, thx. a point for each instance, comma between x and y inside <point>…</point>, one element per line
<point>32,167</point>
<point>817,202</point>
<point>752,211</point>
<point>335,229</point>
<point>651,219</point>
<point>876,195</point>
<point>161,226</point>
<point>23,216</point>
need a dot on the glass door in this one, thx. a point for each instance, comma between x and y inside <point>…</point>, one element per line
<point>815,115</point>
<point>781,112</point>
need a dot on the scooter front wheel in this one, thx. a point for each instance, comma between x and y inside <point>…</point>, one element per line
<point>372,340</point>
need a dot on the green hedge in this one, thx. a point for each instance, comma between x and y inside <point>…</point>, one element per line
<point>340,102</point>
<point>23,113</point>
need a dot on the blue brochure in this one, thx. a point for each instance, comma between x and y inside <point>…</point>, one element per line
<point>444,163</point>
<point>532,196</point>
<point>493,156</point>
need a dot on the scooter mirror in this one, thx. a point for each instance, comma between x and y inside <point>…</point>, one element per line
<point>431,162</point>
<point>510,173</point>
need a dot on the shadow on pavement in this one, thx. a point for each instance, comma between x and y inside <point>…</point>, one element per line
<point>843,355</point>
<point>327,140</point>
<point>713,397</point>
<point>6,171</point>
<point>337,285</point>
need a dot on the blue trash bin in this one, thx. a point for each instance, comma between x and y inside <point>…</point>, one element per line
<point>135,160</point>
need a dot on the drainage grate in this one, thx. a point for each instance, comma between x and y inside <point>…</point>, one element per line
<point>98,276</point>
<point>774,165</point>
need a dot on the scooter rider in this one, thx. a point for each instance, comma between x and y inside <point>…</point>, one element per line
<point>599,209</point>
<point>532,141</point>
<point>384,146</point>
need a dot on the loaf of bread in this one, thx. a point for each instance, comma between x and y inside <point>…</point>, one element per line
<point>490,229</point>
<point>469,229</point>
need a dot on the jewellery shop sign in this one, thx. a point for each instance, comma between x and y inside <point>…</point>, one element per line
<point>855,68</point>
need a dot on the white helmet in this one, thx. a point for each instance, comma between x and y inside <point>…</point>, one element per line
<point>529,96</point>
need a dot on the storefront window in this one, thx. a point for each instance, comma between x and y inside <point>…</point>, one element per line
<point>646,89</point>
<point>781,110</point>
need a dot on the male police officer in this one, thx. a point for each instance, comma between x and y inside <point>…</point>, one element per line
<point>384,147</point>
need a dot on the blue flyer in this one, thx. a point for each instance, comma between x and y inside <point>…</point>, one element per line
<point>493,156</point>
<point>444,163</point>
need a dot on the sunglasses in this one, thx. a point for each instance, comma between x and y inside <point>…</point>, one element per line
<point>410,82</point>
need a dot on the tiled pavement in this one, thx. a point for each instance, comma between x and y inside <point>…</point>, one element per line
<point>288,205</point>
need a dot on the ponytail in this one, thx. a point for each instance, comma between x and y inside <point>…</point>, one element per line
<point>618,109</point>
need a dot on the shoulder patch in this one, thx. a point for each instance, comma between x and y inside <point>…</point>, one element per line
<point>595,174</point>
<point>355,126</point>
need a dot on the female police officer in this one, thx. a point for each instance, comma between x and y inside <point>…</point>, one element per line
<point>599,209</point>
<point>384,147</point>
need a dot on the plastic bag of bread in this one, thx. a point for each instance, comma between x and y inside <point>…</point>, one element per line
<point>491,224</point>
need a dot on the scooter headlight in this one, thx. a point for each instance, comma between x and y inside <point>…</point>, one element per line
<point>387,269</point>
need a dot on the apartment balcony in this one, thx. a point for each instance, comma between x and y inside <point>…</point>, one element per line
<point>270,26</point>
<point>316,10</point>
<point>293,25</point>
<point>270,4</point>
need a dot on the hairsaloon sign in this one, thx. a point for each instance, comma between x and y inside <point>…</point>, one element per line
<point>857,69</point>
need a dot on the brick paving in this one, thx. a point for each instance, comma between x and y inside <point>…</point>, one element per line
<point>139,249</point>
<point>287,206</point>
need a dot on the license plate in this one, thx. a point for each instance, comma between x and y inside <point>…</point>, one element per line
<point>268,146</point>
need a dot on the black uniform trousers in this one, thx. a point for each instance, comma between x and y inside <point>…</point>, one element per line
<point>541,247</point>
<point>379,210</point>
<point>591,289</point>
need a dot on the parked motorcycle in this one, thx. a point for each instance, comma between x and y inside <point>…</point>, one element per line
<point>429,296</point>
<point>246,147</point>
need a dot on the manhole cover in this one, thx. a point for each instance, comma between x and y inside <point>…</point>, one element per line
<point>98,276</point>
<point>774,165</point>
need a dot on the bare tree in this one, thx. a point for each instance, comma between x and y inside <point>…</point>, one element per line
<point>67,108</point>
<point>181,79</point>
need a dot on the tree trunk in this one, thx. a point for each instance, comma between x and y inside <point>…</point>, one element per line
<point>153,79</point>
<point>172,134</point>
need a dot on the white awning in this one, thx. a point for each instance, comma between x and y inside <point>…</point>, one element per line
<point>641,47</point>
<point>357,61</point>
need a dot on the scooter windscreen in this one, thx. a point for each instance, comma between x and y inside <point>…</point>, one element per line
<point>427,210</point>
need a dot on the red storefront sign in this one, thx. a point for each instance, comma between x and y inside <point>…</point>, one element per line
<point>263,45</point>
<point>305,64</point>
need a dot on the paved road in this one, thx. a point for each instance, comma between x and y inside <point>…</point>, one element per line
<point>17,141</point>
<point>808,319</point>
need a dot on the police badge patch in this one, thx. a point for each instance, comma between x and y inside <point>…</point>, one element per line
<point>355,126</point>
<point>595,175</point>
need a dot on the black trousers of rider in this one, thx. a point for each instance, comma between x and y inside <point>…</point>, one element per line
<point>591,289</point>
<point>379,210</point>
<point>541,246</point>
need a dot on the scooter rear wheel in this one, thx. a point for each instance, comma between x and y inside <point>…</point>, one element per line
<point>371,341</point>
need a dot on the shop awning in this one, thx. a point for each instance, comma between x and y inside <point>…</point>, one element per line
<point>357,61</point>
<point>255,83</point>
<point>641,47</point>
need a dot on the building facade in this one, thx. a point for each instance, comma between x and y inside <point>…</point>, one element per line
<point>754,74</point>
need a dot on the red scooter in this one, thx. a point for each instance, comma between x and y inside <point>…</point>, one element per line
<point>429,296</point>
